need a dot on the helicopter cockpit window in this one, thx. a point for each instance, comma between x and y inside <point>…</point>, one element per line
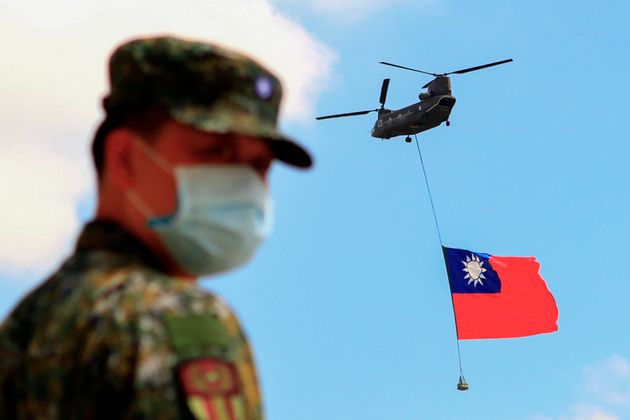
<point>447,102</point>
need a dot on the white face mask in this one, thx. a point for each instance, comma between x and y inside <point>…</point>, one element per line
<point>223,214</point>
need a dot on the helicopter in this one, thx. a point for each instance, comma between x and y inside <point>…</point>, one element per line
<point>434,108</point>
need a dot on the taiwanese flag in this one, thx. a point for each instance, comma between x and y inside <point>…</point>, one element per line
<point>498,297</point>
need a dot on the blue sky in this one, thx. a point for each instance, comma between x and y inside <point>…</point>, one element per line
<point>347,304</point>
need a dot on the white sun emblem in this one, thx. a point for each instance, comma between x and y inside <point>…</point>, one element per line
<point>474,270</point>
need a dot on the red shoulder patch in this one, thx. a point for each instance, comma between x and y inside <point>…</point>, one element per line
<point>212,389</point>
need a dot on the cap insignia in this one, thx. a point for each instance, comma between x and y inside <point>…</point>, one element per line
<point>263,87</point>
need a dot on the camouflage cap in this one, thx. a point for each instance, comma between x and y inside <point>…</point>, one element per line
<point>203,85</point>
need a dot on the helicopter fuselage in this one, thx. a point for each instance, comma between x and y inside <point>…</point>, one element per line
<point>434,108</point>
<point>421,116</point>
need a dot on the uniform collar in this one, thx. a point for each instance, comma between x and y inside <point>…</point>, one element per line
<point>109,236</point>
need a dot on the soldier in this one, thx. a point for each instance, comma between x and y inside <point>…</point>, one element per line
<point>122,330</point>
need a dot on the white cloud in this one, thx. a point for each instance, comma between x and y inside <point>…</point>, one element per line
<point>581,412</point>
<point>609,379</point>
<point>584,412</point>
<point>66,43</point>
<point>352,11</point>
<point>40,189</point>
<point>606,386</point>
<point>52,73</point>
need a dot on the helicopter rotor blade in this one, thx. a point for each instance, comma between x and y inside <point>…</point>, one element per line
<point>496,63</point>
<point>384,88</point>
<point>407,68</point>
<point>346,114</point>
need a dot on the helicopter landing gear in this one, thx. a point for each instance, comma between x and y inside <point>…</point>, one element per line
<point>448,123</point>
<point>408,139</point>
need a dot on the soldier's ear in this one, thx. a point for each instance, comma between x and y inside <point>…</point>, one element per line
<point>118,164</point>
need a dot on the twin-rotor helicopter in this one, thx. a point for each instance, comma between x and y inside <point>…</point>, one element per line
<point>434,108</point>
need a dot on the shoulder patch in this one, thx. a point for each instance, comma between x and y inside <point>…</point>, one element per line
<point>212,389</point>
<point>197,335</point>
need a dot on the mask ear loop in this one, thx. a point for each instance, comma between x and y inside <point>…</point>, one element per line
<point>132,195</point>
<point>139,204</point>
<point>154,156</point>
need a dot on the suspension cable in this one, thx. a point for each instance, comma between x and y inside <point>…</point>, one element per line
<point>462,380</point>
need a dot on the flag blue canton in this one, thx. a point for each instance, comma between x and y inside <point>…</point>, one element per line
<point>470,272</point>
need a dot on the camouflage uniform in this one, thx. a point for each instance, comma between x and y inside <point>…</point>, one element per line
<point>111,336</point>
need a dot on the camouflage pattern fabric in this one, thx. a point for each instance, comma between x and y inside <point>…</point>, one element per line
<point>110,336</point>
<point>203,85</point>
